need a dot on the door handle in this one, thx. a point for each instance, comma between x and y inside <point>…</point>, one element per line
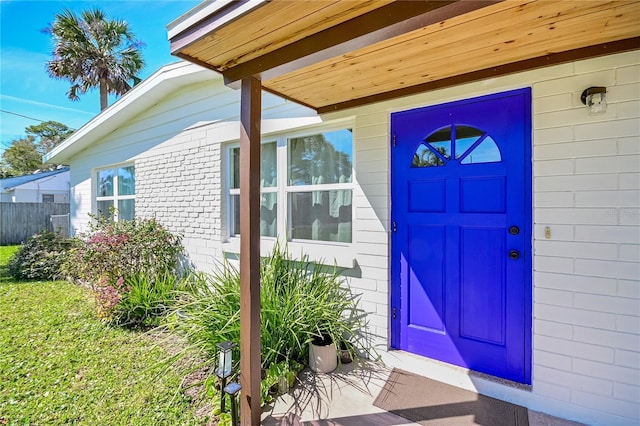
<point>514,254</point>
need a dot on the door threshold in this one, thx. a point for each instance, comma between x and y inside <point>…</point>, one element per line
<point>454,375</point>
<point>500,380</point>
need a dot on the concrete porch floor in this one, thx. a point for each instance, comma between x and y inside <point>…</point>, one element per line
<point>345,397</point>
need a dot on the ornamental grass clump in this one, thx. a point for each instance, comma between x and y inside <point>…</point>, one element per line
<point>145,300</point>
<point>299,300</point>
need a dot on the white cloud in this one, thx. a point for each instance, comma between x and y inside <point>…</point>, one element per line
<point>12,126</point>
<point>45,105</point>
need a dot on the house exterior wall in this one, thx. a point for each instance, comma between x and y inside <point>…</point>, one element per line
<point>191,205</point>
<point>21,195</point>
<point>167,144</point>
<point>586,179</point>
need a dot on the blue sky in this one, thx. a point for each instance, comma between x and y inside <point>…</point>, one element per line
<point>25,87</point>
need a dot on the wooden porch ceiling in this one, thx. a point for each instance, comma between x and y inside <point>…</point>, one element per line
<point>333,54</point>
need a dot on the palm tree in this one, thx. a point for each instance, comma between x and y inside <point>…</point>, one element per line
<point>91,51</point>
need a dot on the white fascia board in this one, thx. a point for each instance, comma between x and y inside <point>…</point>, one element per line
<point>206,9</point>
<point>195,15</point>
<point>143,96</point>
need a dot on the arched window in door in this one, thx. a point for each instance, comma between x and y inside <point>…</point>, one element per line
<point>460,143</point>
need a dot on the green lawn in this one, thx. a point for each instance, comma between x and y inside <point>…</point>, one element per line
<point>5,254</point>
<point>60,365</point>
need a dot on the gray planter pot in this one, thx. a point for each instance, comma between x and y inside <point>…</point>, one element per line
<point>323,358</point>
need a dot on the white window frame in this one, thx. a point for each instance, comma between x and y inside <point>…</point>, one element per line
<point>115,197</point>
<point>236,191</point>
<point>289,189</point>
<point>329,252</point>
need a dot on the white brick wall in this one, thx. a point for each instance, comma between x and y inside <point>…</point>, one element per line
<point>182,190</point>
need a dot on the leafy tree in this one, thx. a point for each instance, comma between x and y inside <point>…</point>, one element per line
<point>49,134</point>
<point>91,51</point>
<point>24,156</point>
<point>21,157</point>
<point>425,157</point>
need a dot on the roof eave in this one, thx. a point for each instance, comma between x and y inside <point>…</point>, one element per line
<point>588,52</point>
<point>144,95</point>
<point>205,18</point>
<point>282,66</point>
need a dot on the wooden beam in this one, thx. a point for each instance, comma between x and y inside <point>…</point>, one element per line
<point>381,24</point>
<point>250,115</point>
<point>511,68</point>
<point>188,58</point>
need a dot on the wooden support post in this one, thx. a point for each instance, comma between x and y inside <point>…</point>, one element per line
<point>250,115</point>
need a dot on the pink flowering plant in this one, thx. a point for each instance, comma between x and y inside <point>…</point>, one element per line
<point>122,249</point>
<point>108,296</point>
<point>113,256</point>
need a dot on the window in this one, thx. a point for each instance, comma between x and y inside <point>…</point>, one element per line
<point>319,179</point>
<point>269,195</point>
<point>306,187</point>
<point>116,188</point>
<point>471,146</point>
<point>48,198</point>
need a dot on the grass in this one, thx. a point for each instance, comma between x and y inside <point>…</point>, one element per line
<point>5,254</point>
<point>61,365</point>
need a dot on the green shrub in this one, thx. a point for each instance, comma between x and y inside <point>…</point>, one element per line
<point>130,266</point>
<point>299,302</point>
<point>40,257</point>
<point>108,296</point>
<point>113,250</point>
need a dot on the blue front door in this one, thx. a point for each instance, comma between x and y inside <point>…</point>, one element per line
<point>461,239</point>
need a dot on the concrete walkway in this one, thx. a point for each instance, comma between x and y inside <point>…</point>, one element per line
<point>345,397</point>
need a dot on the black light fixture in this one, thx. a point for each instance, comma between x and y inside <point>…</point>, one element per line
<point>224,367</point>
<point>232,390</point>
<point>595,98</point>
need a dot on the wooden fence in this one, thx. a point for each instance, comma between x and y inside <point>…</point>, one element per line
<point>19,221</point>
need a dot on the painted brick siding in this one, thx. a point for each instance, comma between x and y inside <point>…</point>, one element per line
<point>181,188</point>
<point>586,337</point>
<point>176,149</point>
